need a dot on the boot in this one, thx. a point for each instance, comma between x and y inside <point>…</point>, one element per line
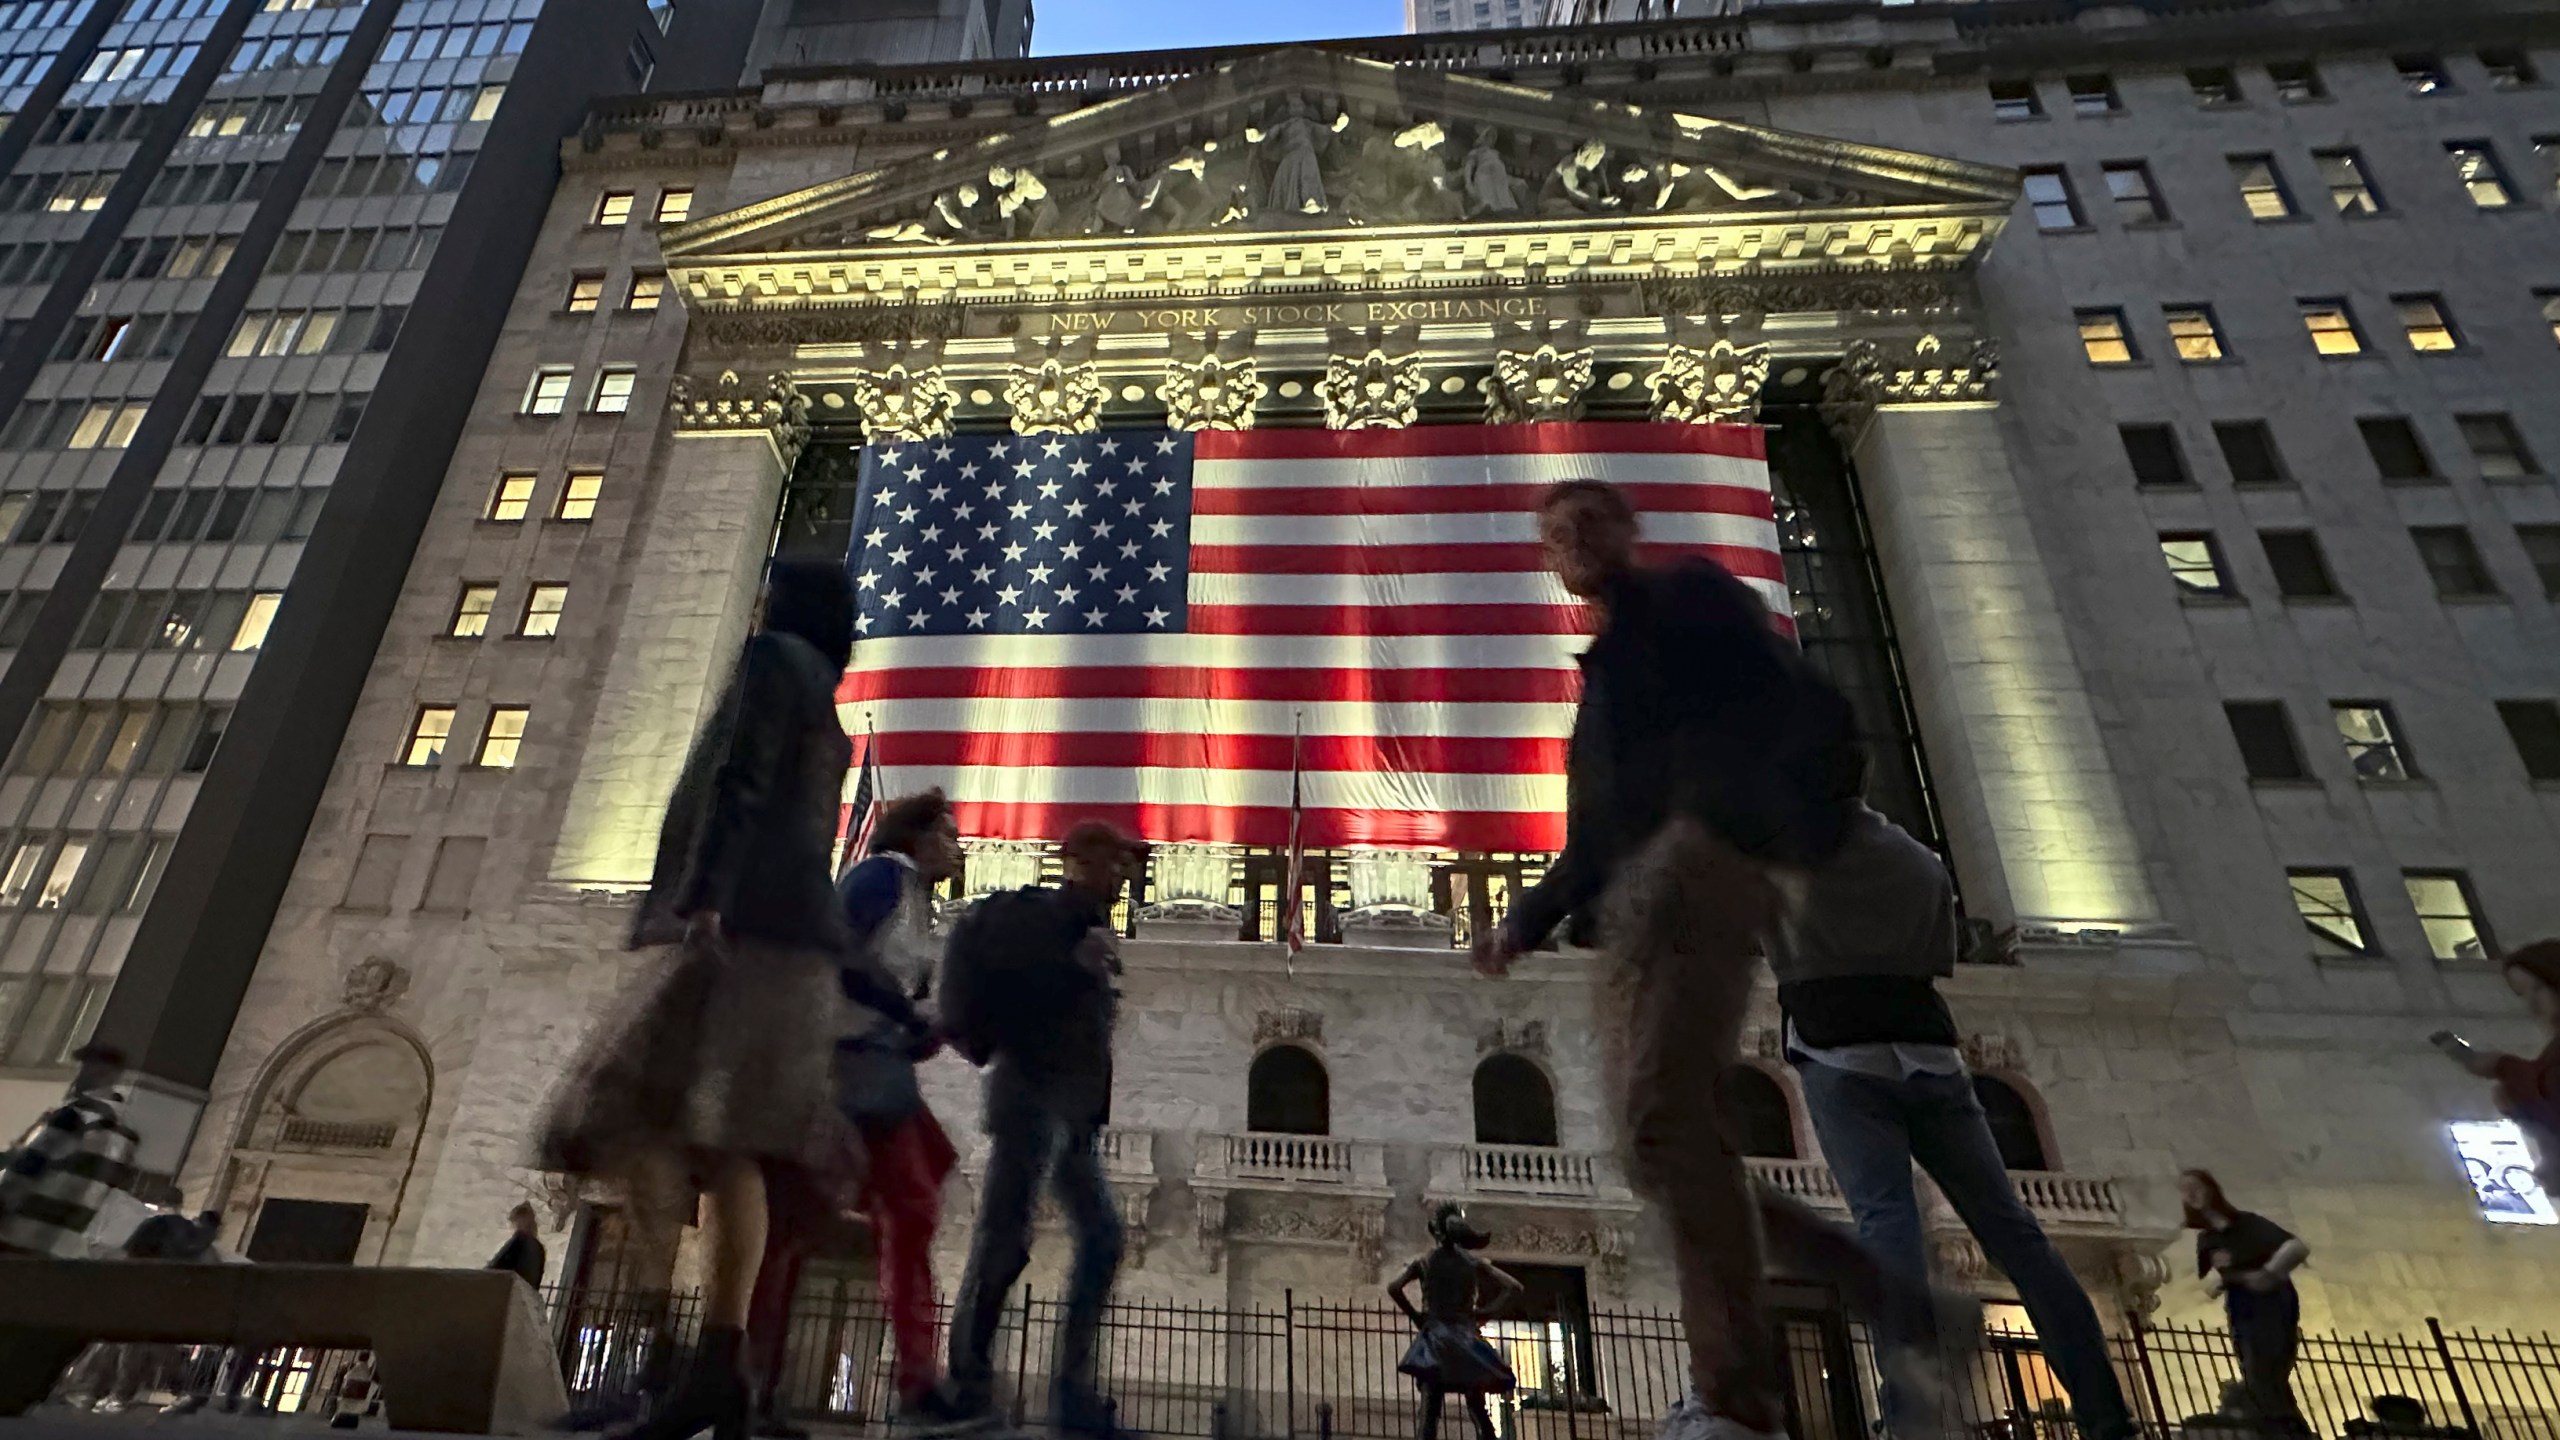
<point>713,1396</point>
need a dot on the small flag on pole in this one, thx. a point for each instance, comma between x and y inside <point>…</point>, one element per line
<point>866,795</point>
<point>1293,929</point>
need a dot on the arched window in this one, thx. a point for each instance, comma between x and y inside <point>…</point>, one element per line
<point>2013,1124</point>
<point>1286,1093</point>
<point>1514,1103</point>
<point>1757,1115</point>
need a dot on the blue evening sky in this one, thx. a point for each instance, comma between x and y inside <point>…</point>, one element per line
<point>1077,27</point>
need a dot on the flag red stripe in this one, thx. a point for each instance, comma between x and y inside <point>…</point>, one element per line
<point>1268,825</point>
<point>1411,754</point>
<point>1387,620</point>
<point>1650,499</point>
<point>1177,682</point>
<point>1585,438</point>
<point>1749,562</point>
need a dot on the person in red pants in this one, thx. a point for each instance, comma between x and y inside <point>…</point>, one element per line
<point>888,908</point>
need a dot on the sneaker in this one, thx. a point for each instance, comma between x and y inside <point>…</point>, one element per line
<point>1689,1420</point>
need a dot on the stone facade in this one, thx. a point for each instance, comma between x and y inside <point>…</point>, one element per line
<point>2166,1008</point>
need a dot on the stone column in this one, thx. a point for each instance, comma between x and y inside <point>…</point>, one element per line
<point>2039,828</point>
<point>693,581</point>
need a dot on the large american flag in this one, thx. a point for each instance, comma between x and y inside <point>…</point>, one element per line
<point>1133,624</point>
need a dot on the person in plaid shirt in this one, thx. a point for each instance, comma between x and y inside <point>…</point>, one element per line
<point>52,1184</point>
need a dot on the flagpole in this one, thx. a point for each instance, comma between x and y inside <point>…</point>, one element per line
<point>1293,934</point>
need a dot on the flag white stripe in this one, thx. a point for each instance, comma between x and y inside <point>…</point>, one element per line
<point>1221,652</point>
<point>1397,471</point>
<point>1475,528</point>
<point>1507,720</point>
<point>1505,587</point>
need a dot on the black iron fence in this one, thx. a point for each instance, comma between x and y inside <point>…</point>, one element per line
<point>1314,1371</point>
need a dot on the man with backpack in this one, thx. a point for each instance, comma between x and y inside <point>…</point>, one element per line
<point>1030,992</point>
<point>1707,757</point>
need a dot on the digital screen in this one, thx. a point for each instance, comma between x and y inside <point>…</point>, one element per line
<point>2494,1155</point>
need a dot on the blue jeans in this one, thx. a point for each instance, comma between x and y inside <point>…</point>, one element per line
<point>1872,1129</point>
<point>1031,1137</point>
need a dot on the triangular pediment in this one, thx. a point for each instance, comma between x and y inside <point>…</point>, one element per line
<point>1302,139</point>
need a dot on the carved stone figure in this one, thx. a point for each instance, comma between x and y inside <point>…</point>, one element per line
<point>1198,189</point>
<point>1719,384</point>
<point>1541,384</point>
<point>1372,391</point>
<point>1297,170</point>
<point>1485,181</point>
<point>1119,202</point>
<point>374,984</point>
<point>1578,184</point>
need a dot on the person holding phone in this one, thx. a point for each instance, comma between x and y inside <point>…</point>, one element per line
<point>2249,1261</point>
<point>2527,1091</point>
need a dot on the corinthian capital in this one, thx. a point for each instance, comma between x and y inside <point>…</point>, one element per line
<point>901,403</point>
<point>1050,392</point>
<point>1210,393</point>
<point>1545,383</point>
<point>1924,371</point>
<point>1718,383</point>
<point>732,405</point>
<point>1371,391</point>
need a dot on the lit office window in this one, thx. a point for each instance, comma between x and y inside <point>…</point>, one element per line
<point>2332,327</point>
<point>510,499</point>
<point>2330,908</point>
<point>549,392</point>
<point>2195,563</point>
<point>2374,748</point>
<point>613,207</point>
<point>2103,337</point>
<point>2261,187</point>
<point>613,389</point>
<point>427,736</point>
<point>2449,914</point>
<point>2477,168</point>
<point>471,612</point>
<point>2424,320</point>
<point>2193,331</point>
<point>542,607</point>
<point>499,742</point>
<point>578,496</point>
<point>674,203</point>
<point>256,620</point>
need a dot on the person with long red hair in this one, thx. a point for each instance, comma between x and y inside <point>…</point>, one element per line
<point>2249,1261</point>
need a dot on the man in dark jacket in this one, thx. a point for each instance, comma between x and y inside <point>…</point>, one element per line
<point>1048,1091</point>
<point>523,1251</point>
<point>1704,752</point>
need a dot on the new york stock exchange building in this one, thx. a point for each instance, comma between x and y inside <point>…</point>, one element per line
<point>2152,400</point>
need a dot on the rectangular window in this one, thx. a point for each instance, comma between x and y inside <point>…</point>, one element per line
<point>2332,327</point>
<point>58,878</point>
<point>2426,322</point>
<point>586,292</point>
<point>2422,74</point>
<point>2508,69</point>
<point>2301,568</point>
<point>2374,748</point>
<point>19,880</point>
<point>2327,902</point>
<point>2297,82</point>
<point>2261,187</point>
<point>2103,337</point>
<point>2268,750</point>
<point>511,499</point>
<point>256,620</point>
<point>2349,190</point>
<point>2476,166</point>
<point>2393,443</point>
<point>2049,196</point>
<point>613,207</point>
<point>91,432</point>
<point>2496,447</point>
<point>578,495</point>
<point>471,611</point>
<point>2453,562</point>
<point>484,103</point>
<point>549,392</point>
<point>2092,94</point>
<point>498,743</point>
<point>427,735</point>
<point>648,288</point>
<point>2215,86</point>
<point>542,607</point>
<point>2193,332</point>
<point>2137,200</point>
<point>2534,726</point>
<point>2015,100</point>
<point>675,203</point>
<point>2449,913</point>
<point>2154,453</point>
<point>2195,563</point>
<point>2541,546</point>
<point>613,389</point>
<point>2249,451</point>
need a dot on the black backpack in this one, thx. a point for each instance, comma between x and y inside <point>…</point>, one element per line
<point>1008,970</point>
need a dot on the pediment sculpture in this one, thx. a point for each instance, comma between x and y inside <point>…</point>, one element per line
<point>1296,140</point>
